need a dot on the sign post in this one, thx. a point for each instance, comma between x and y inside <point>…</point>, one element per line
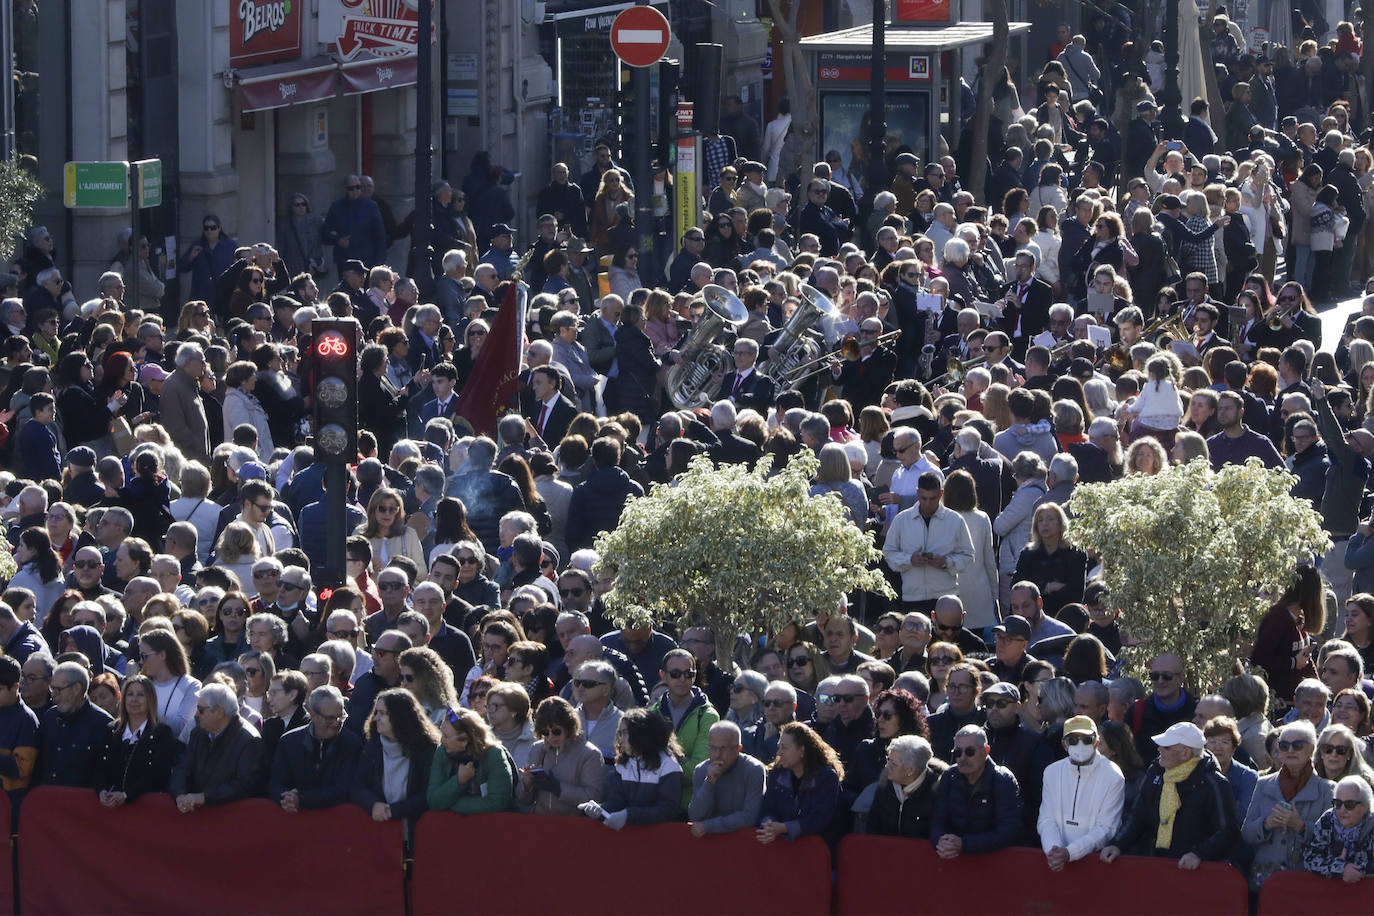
<point>685,209</point>
<point>639,37</point>
<point>96,184</point>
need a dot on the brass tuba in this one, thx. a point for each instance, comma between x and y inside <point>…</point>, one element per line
<point>693,381</point>
<point>1167,330</point>
<point>795,347</point>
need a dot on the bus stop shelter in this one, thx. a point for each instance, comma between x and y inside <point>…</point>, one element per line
<point>923,99</point>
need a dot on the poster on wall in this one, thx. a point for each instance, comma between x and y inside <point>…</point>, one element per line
<point>844,125</point>
<point>264,31</point>
<point>383,28</point>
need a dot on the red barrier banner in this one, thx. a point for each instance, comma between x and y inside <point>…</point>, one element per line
<point>524,864</point>
<point>1288,892</point>
<point>878,875</point>
<point>246,857</point>
<point>6,866</point>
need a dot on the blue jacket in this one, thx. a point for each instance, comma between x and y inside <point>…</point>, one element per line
<point>208,265</point>
<point>314,529</point>
<point>322,780</point>
<point>985,815</point>
<point>1359,556</point>
<point>361,221</point>
<point>596,505</point>
<point>25,641</point>
<point>804,808</point>
<point>36,451</point>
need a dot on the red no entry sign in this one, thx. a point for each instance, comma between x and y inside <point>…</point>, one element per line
<point>639,36</point>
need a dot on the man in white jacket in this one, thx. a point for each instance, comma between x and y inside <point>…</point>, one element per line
<point>929,545</point>
<point>1080,809</point>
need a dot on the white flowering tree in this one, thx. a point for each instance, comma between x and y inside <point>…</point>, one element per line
<point>1194,557</point>
<point>740,550</point>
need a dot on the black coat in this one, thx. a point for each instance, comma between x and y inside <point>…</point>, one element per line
<point>382,409</point>
<point>84,416</point>
<point>144,766</point>
<point>1148,275</point>
<point>910,816</point>
<point>1067,564</point>
<point>367,781</point>
<point>1093,464</point>
<point>755,392</point>
<point>69,745</point>
<point>1205,824</point>
<point>321,780</point>
<point>596,505</point>
<point>225,769</point>
<point>638,373</point>
<point>1034,313</point>
<point>273,728</point>
<point>865,380</point>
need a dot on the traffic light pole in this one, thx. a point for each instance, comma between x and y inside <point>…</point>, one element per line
<point>336,520</point>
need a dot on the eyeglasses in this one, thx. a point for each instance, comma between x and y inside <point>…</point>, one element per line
<point>966,751</point>
<point>1349,804</point>
<point>679,673</point>
<point>343,634</point>
<point>888,629</point>
<point>1339,750</point>
<point>801,661</point>
<point>234,612</point>
<point>292,586</point>
<point>391,585</point>
<point>266,574</point>
<point>546,564</point>
<point>1086,740</point>
<point>998,704</point>
<point>1165,676</point>
<point>263,507</point>
<point>571,592</point>
<point>1296,744</point>
<point>211,227</point>
<point>775,703</point>
<point>846,697</point>
<point>88,564</point>
<point>353,187</point>
<point>886,714</point>
<point>943,660</point>
<point>588,684</point>
<point>388,509</point>
<point>958,688</point>
<point>467,561</point>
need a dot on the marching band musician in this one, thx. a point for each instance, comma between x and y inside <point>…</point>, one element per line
<point>744,386</point>
<point>863,380</point>
<point>1026,302</point>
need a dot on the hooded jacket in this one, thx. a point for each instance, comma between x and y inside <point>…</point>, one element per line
<point>691,734</point>
<point>1027,437</point>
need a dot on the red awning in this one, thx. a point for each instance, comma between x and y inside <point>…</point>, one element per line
<point>263,88</point>
<point>378,73</point>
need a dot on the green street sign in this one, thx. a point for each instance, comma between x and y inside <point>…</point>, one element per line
<point>97,184</point>
<point>149,183</point>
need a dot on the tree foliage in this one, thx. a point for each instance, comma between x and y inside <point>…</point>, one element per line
<point>1194,557</point>
<point>745,551</point>
<point>20,192</point>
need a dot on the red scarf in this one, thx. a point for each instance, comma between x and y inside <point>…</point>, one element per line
<point>1291,785</point>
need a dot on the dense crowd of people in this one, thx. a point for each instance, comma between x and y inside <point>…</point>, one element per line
<point>1113,305</point>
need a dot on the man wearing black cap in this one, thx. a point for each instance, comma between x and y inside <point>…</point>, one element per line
<point>1010,639</point>
<point>353,283</point>
<point>752,187</point>
<point>1141,136</point>
<point>501,254</point>
<point>1264,99</point>
<point>83,489</point>
<point>354,227</point>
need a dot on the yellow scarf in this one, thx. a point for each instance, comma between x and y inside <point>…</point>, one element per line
<point>1169,802</point>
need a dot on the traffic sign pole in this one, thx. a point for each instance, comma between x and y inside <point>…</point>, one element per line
<point>639,37</point>
<point>135,199</point>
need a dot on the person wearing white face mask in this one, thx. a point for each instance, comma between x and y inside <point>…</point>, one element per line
<point>1081,806</point>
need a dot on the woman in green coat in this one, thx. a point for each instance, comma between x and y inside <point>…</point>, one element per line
<point>472,772</point>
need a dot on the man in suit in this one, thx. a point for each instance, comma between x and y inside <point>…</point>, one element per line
<point>864,380</point>
<point>551,412</point>
<point>1026,301</point>
<point>221,760</point>
<point>733,448</point>
<point>1205,336</point>
<point>598,335</point>
<point>1195,291</point>
<point>443,378</point>
<point>746,387</point>
<point>313,765</point>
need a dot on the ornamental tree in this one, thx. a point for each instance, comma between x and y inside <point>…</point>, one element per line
<point>1194,557</point>
<point>743,551</point>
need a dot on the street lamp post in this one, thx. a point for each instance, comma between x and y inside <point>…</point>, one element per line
<point>1172,96</point>
<point>424,151</point>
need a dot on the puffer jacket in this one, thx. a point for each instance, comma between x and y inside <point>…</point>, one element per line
<point>1013,523</point>
<point>596,505</point>
<point>579,770</point>
<point>1205,824</point>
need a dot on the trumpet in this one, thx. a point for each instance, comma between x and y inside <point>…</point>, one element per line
<point>850,350</point>
<point>956,370</point>
<point>1274,317</point>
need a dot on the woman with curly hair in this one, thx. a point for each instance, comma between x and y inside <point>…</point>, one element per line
<point>802,794</point>
<point>895,713</point>
<point>425,675</point>
<point>392,778</point>
<point>472,772</point>
<point>645,786</point>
